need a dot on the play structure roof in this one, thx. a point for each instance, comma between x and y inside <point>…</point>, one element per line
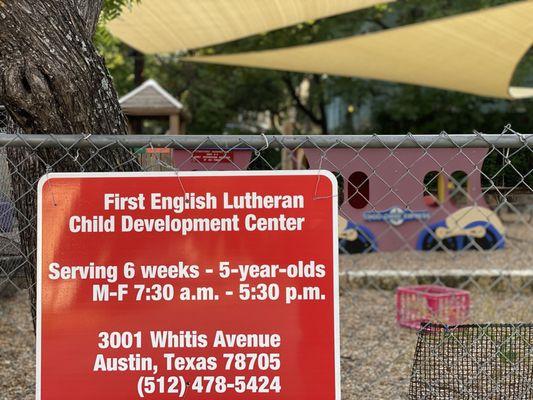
<point>476,53</point>
<point>162,26</point>
<point>150,99</point>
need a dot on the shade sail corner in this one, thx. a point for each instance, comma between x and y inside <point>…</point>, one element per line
<point>518,92</point>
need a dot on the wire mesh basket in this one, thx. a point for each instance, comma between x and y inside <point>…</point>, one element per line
<point>471,362</point>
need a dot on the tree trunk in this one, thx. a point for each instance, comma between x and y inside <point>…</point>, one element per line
<point>138,67</point>
<point>52,80</point>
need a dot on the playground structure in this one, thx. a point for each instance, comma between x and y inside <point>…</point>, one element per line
<point>150,101</point>
<point>423,199</point>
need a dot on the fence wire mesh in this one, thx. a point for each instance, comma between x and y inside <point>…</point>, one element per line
<point>443,211</point>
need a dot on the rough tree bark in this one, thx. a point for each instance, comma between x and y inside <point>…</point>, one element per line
<point>52,80</point>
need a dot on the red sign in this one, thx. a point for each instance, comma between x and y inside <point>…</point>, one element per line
<point>212,156</point>
<point>198,286</point>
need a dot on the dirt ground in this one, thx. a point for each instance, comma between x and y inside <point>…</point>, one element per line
<point>17,349</point>
<point>376,354</point>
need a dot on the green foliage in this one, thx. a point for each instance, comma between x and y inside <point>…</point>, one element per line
<point>512,171</point>
<point>114,52</point>
<point>112,8</point>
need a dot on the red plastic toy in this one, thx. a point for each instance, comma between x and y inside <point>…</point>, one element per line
<point>431,303</point>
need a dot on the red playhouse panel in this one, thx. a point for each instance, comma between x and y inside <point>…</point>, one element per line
<point>219,286</point>
<point>403,199</point>
<point>431,303</point>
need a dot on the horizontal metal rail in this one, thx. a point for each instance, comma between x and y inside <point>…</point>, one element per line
<point>261,142</point>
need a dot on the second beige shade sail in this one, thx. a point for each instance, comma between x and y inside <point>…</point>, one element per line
<point>474,53</point>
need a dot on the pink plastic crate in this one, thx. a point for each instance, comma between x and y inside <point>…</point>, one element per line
<point>431,303</point>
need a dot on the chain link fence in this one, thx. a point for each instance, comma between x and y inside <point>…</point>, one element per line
<point>424,221</point>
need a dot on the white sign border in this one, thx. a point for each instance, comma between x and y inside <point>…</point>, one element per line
<point>319,173</point>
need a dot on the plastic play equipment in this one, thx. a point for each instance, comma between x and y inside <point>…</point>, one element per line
<point>420,304</point>
<point>425,199</point>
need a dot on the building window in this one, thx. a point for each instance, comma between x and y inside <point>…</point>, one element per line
<point>458,189</point>
<point>358,190</point>
<point>434,189</point>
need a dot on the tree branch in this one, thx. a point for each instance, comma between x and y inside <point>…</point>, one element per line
<point>321,106</point>
<point>307,111</point>
<point>379,23</point>
<point>89,11</point>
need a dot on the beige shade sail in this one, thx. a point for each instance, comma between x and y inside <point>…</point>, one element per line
<point>164,26</point>
<point>474,53</point>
